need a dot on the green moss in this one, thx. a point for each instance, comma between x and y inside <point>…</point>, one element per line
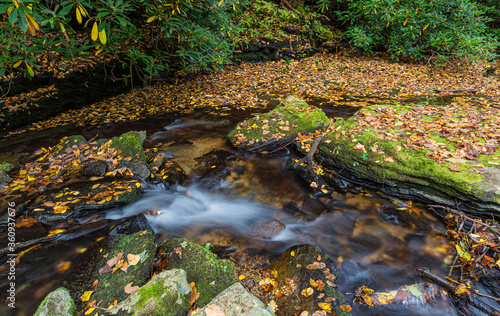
<point>210,275</point>
<point>130,144</point>
<point>111,285</point>
<point>5,167</point>
<point>280,125</point>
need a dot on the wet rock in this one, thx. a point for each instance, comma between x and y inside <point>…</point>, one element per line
<point>305,278</point>
<point>279,127</point>
<point>57,303</point>
<point>130,144</point>
<point>126,262</point>
<point>210,275</point>
<point>68,142</point>
<point>133,225</point>
<point>84,197</point>
<point>5,167</point>
<point>167,293</point>
<point>235,300</point>
<point>96,168</point>
<point>139,169</point>
<point>412,163</point>
<point>165,169</point>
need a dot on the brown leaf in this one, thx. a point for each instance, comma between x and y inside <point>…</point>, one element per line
<point>345,308</point>
<point>194,294</point>
<point>359,146</point>
<point>389,159</point>
<point>129,289</point>
<point>454,168</point>
<point>133,259</point>
<point>316,265</point>
<point>178,251</point>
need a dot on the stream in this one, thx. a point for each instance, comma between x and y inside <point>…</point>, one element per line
<point>246,205</point>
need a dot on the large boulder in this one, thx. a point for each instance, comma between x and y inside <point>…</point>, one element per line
<point>130,144</point>
<point>210,275</point>
<point>235,300</point>
<point>166,294</point>
<point>305,279</point>
<point>435,154</point>
<point>125,264</point>
<point>279,127</point>
<point>57,303</point>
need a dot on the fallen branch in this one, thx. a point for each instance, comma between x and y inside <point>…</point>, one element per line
<point>454,90</point>
<point>468,296</point>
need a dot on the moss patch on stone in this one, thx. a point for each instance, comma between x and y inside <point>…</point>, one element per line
<point>111,285</point>
<point>57,302</point>
<point>278,127</point>
<point>167,293</point>
<point>210,275</point>
<point>386,160</point>
<point>5,167</point>
<point>130,144</point>
<point>68,142</point>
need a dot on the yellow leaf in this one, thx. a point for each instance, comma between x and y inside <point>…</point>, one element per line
<point>83,12</point>
<point>425,27</point>
<point>89,311</point>
<point>220,2</point>
<point>30,70</point>
<point>375,10</point>
<point>99,50</point>
<point>95,32</point>
<point>102,37</point>
<point>32,24</point>
<point>345,308</point>
<point>78,15</point>
<point>406,21</point>
<point>326,306</point>
<point>17,64</point>
<point>86,296</point>
<point>151,19</point>
<point>137,184</point>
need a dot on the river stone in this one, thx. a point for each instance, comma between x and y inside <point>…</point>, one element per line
<point>130,144</point>
<point>57,303</point>
<point>235,301</point>
<point>68,142</point>
<point>382,161</point>
<point>111,286</point>
<point>166,294</point>
<point>5,168</point>
<point>210,275</point>
<point>276,129</point>
<point>167,170</point>
<point>295,271</point>
<point>96,168</point>
<point>139,169</point>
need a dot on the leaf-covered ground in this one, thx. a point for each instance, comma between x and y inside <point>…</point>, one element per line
<point>330,77</point>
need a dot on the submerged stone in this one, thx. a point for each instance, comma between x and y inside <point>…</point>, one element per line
<point>279,127</point>
<point>210,275</point>
<point>166,294</point>
<point>235,300</point>
<point>305,276</point>
<point>404,159</point>
<point>57,303</point>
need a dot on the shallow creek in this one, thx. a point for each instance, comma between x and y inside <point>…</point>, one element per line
<point>246,204</point>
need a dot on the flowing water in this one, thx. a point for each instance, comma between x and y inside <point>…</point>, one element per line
<point>250,204</point>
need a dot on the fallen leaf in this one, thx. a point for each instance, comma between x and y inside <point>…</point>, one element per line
<point>133,259</point>
<point>86,296</point>
<point>454,168</point>
<point>194,294</point>
<point>345,308</point>
<point>129,289</point>
<point>325,306</point>
<point>389,159</point>
<point>307,292</point>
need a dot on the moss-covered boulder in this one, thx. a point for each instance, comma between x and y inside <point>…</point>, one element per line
<point>57,303</point>
<point>126,263</point>
<point>166,294</point>
<point>235,300</point>
<point>210,275</point>
<point>305,277</point>
<point>68,142</point>
<point>130,144</point>
<point>5,167</point>
<point>279,127</point>
<point>435,154</point>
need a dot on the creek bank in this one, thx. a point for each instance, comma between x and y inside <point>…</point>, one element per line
<point>436,155</point>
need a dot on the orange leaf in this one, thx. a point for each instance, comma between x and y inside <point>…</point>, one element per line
<point>129,289</point>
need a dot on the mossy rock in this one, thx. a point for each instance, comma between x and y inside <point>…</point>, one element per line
<point>210,275</point>
<point>166,294</point>
<point>111,285</point>
<point>5,168</point>
<point>130,144</point>
<point>387,165</point>
<point>293,273</point>
<point>68,142</point>
<point>57,303</point>
<point>279,127</point>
